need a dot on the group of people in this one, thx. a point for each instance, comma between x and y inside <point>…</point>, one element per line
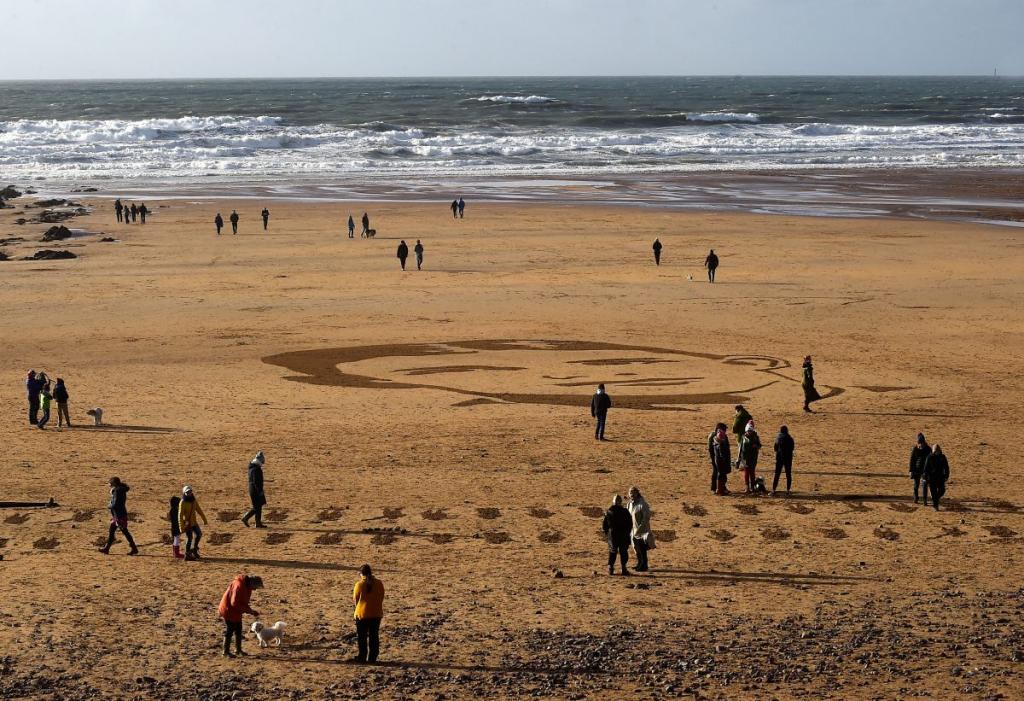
<point>748,452</point>
<point>218,221</point>
<point>458,208</point>
<point>403,253</point>
<point>929,469</point>
<point>628,525</point>
<point>41,393</point>
<point>130,214</point>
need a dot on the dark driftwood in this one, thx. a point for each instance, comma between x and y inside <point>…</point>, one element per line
<point>28,504</point>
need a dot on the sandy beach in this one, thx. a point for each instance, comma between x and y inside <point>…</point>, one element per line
<point>436,424</point>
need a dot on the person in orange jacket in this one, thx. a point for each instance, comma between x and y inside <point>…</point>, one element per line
<point>368,596</point>
<point>233,605</point>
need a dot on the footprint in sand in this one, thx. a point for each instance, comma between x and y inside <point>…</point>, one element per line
<point>538,512</point>
<point>276,515</point>
<point>277,538</point>
<point>857,507</point>
<point>747,509</point>
<point>592,511</point>
<point>664,536</point>
<point>550,537</point>
<point>3,542</point>
<point>721,535</point>
<point>441,538</point>
<point>834,533</point>
<point>886,533</point>
<point>101,540</point>
<point>496,537</point>
<point>83,516</point>
<point>332,538</point>
<point>694,510</point>
<point>435,515</point>
<point>392,513</point>
<point>47,543</point>
<point>952,531</point>
<point>166,539</point>
<point>1000,531</point>
<point>383,539</point>
<point>16,519</point>
<point>331,514</point>
<point>902,508</point>
<point>775,533</point>
<point>801,509</point>
<point>220,538</point>
<point>228,516</point>
<point>488,512</point>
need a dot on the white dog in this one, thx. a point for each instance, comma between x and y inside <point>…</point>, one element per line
<point>97,416</point>
<point>265,634</point>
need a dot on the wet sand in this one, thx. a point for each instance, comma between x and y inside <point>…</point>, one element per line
<point>435,424</point>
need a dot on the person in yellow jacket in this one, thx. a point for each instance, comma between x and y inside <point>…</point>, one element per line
<point>189,513</point>
<point>368,596</point>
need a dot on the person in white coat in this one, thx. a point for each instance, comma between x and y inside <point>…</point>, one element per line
<point>643,538</point>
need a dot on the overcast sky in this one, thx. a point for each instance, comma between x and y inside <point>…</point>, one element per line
<point>271,38</point>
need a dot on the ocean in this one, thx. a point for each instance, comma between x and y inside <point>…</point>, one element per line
<point>415,129</point>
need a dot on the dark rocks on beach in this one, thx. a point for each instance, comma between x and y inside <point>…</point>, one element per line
<point>107,239</point>
<point>20,221</point>
<point>53,216</point>
<point>9,193</point>
<point>57,233</point>
<point>4,256</point>
<point>49,254</point>
<point>55,202</point>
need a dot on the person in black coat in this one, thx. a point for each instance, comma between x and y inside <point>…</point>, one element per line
<point>234,221</point>
<point>617,527</point>
<point>60,395</point>
<point>723,460</point>
<point>119,516</point>
<point>599,407</point>
<point>657,252</point>
<point>34,385</point>
<point>117,208</point>
<point>366,225</point>
<point>134,212</point>
<point>143,211</point>
<point>266,217</point>
<point>711,455</point>
<point>218,221</point>
<point>784,447</point>
<point>711,263</point>
<point>403,253</point>
<point>455,209</point>
<point>257,497</point>
<point>936,472</point>
<point>918,456</point>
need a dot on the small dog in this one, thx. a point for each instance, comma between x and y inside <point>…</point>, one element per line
<point>759,487</point>
<point>370,233</point>
<point>97,416</point>
<point>265,634</point>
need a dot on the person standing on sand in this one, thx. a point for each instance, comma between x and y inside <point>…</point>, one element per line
<point>657,252</point>
<point>135,213</point>
<point>418,250</point>
<point>784,448</point>
<point>403,253</point>
<point>462,208</point>
<point>351,227</point>
<point>810,393</point>
<point>936,472</point>
<point>172,518</point>
<point>712,455</point>
<point>119,516</point>
<point>234,221</point>
<point>618,528</point>
<point>235,604</point>
<point>599,406</point>
<point>143,212</point>
<point>368,597</point>
<point>218,221</point>
<point>643,538</point>
<point>257,497</point>
<point>44,404</point>
<point>723,460</point>
<point>711,263</point>
<point>60,394</point>
<point>366,225</point>
<point>118,207</point>
<point>33,385</point>
<point>266,217</point>
<point>746,455</point>
<point>455,209</point>
<point>740,421</point>
<point>918,458</point>
<point>189,513</point>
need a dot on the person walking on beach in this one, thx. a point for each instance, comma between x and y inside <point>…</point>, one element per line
<point>618,529</point>
<point>118,516</point>
<point>257,497</point>
<point>455,209</point>
<point>143,211</point>
<point>784,448</point>
<point>712,455</point>
<point>810,393</point>
<point>657,252</point>
<point>44,404</point>
<point>739,422</point>
<point>747,453</point>
<point>60,394</point>
<point>643,538</point>
<point>936,472</point>
<point>711,263</point>
<point>599,406</point>
<point>135,213</point>
<point>218,221</point>
<point>266,217</point>
<point>172,518</point>
<point>235,604</point>
<point>118,208</point>
<point>723,460</point>
<point>462,208</point>
<point>351,227</point>
<point>234,221</point>
<point>366,225</point>
<point>418,250</point>
<point>368,597</point>
<point>189,513</point>
<point>33,386</point>
<point>403,253</point>
<point>918,458</point>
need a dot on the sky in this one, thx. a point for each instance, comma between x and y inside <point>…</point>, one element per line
<point>62,39</point>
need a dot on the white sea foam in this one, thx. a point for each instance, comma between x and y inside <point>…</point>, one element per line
<point>517,99</point>
<point>744,117</point>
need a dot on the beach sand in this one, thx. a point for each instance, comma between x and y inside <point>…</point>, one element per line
<point>435,424</point>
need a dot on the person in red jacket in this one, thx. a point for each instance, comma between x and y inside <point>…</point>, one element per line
<point>233,605</point>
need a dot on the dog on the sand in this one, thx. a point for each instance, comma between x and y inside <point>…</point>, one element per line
<point>370,233</point>
<point>97,416</point>
<point>266,634</point>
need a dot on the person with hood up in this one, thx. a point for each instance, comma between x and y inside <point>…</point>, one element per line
<point>723,460</point>
<point>172,517</point>
<point>266,217</point>
<point>235,604</point>
<point>366,225</point>
<point>712,456</point>
<point>44,404</point>
<point>218,221</point>
<point>189,513</point>
<point>119,516</point>
<point>143,211</point>
<point>351,227</point>
<point>118,207</point>
<point>599,406</point>
<point>936,472</point>
<point>810,393</point>
<point>711,263</point>
<point>784,448</point>
<point>60,394</point>
<point>747,453</point>
<point>918,457</point>
<point>418,250</point>
<point>403,253</point>
<point>34,385</point>
<point>234,221</point>
<point>643,538</point>
<point>740,421</point>
<point>618,529</point>
<point>368,597</point>
<point>257,497</point>
<point>657,252</point>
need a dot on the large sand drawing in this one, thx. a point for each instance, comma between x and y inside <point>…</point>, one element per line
<point>557,373</point>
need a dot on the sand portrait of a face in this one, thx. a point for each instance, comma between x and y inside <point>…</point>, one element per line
<point>557,373</point>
